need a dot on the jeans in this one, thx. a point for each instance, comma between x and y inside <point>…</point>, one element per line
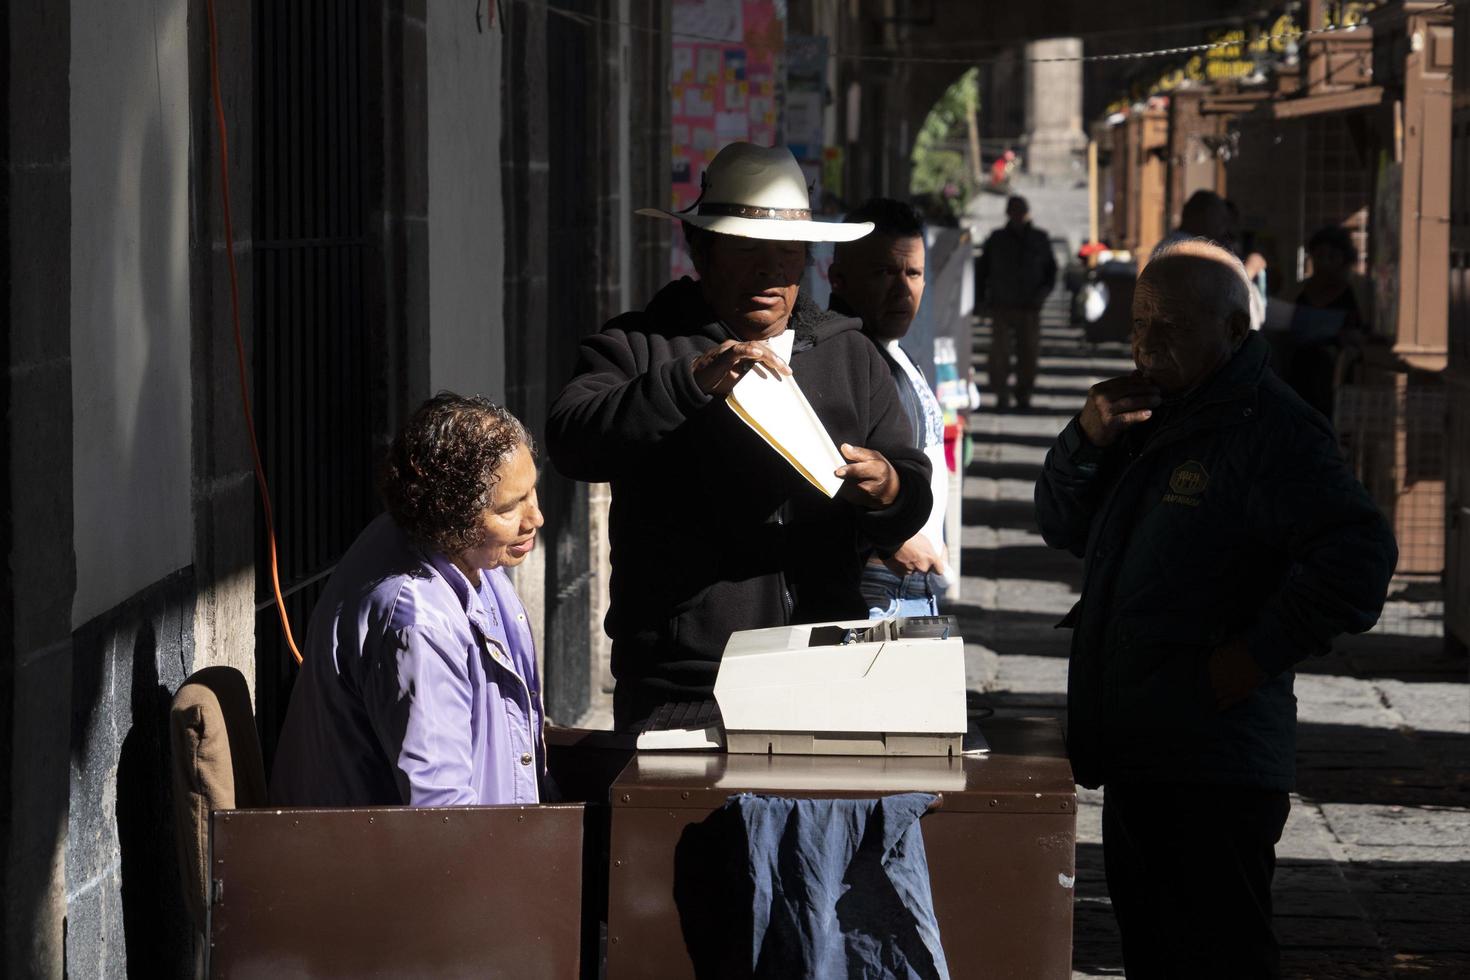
<point>888,593</point>
<point>777,887</point>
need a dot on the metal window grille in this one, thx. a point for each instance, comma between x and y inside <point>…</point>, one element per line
<point>313,346</point>
<point>1457,506</point>
<point>1394,439</point>
<point>575,149</point>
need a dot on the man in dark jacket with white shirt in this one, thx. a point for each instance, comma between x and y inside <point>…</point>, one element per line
<point>880,278</point>
<point>712,531</point>
<point>1225,541</point>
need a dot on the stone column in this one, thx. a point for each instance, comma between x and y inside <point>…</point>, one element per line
<point>1054,136</point>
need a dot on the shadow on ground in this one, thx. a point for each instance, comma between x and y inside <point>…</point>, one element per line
<point>1415,909</point>
<point>1018,515</point>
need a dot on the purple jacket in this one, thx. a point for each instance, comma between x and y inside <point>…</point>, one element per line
<point>416,687</point>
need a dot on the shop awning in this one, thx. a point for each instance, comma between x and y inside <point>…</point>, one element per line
<point>1357,98</point>
<point>1233,103</point>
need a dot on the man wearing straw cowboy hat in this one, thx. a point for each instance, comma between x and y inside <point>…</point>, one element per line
<point>712,531</point>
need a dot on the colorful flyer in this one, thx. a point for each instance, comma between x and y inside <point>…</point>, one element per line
<point>719,93</point>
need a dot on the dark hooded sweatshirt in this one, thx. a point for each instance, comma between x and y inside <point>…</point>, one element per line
<point>711,530</point>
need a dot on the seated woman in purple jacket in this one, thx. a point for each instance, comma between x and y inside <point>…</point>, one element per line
<point>418,683</point>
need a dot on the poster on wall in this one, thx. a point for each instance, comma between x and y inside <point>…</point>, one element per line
<point>722,88</point>
<point>806,103</point>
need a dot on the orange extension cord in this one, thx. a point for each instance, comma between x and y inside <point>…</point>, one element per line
<point>224,182</point>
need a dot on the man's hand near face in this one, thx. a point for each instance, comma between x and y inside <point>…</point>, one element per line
<point>1114,405</point>
<point>719,369</point>
<point>868,480</point>
<point>918,554</point>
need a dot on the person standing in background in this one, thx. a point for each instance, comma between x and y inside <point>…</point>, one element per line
<point>1016,273</point>
<point>1326,321</point>
<point>1243,243</point>
<point>1208,217</point>
<point>1205,215</point>
<point>880,279</point>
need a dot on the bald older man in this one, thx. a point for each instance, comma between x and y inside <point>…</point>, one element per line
<point>1224,541</point>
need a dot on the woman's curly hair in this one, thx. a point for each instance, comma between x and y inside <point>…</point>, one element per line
<point>441,470</point>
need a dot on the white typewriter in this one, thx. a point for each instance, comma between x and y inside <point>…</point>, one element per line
<point>880,687</point>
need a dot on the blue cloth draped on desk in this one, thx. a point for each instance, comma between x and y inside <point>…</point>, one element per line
<point>835,889</point>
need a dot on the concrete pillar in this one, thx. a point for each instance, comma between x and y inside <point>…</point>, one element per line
<point>405,149</point>
<point>224,477</point>
<point>525,189</point>
<point>1054,136</point>
<point>466,234</point>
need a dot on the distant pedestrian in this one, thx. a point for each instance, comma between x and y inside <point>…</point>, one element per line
<point>1326,320</point>
<point>1243,243</point>
<point>1016,273</point>
<point>1000,170</point>
<point>1204,215</point>
<point>1225,541</point>
<point>1216,219</point>
<point>880,279</point>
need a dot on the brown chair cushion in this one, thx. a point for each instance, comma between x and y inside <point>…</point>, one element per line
<point>217,766</point>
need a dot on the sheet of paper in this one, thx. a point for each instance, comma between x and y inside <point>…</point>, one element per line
<point>725,21</point>
<point>775,408</point>
<point>682,739</point>
<point>732,126</point>
<point>976,743</point>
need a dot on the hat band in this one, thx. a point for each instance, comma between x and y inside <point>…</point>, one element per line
<point>744,211</point>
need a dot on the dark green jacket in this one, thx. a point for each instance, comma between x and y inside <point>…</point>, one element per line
<point>1230,514</point>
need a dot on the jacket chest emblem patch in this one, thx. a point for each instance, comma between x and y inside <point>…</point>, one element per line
<point>1187,483</point>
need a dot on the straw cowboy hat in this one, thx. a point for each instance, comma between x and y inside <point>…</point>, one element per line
<point>759,192</point>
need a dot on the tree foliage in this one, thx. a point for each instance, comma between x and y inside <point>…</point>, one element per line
<point>939,168</point>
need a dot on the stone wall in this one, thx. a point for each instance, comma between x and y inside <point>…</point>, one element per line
<point>125,912</point>
<point>36,519</point>
<point>116,461</point>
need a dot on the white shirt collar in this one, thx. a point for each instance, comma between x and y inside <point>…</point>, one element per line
<point>782,344</point>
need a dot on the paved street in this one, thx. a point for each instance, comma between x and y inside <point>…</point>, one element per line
<point>1372,880</point>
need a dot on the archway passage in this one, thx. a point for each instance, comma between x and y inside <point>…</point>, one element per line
<point>946,163</point>
<point>938,42</point>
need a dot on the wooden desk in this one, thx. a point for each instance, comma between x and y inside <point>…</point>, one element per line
<point>1001,850</point>
<point>491,891</point>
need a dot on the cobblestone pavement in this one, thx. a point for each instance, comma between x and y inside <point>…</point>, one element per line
<point>1372,878</point>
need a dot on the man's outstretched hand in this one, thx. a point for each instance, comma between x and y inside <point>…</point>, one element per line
<point>868,479</point>
<point>1114,405</point>
<point>720,368</point>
